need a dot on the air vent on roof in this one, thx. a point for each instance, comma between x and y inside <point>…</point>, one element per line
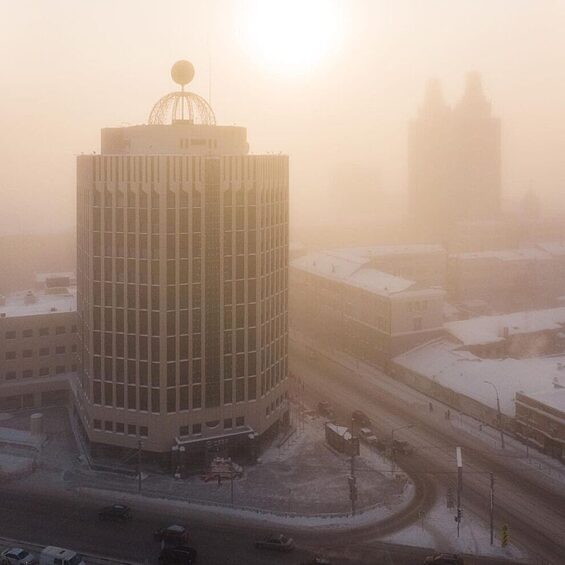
<point>30,297</point>
<point>53,309</point>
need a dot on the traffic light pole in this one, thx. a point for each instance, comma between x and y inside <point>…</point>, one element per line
<point>459,485</point>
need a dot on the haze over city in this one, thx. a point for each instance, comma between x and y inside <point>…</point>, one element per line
<point>282,282</point>
<point>74,67</point>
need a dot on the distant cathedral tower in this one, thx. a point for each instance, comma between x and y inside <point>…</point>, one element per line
<point>454,161</point>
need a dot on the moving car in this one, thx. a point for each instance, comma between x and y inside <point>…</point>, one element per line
<point>444,559</point>
<point>360,418</point>
<point>172,535</point>
<point>325,409</point>
<point>180,555</point>
<point>276,543</point>
<point>52,555</point>
<point>367,435</point>
<point>115,513</point>
<point>317,560</point>
<point>17,556</point>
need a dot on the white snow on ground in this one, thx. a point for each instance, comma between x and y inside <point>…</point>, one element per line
<point>438,529</point>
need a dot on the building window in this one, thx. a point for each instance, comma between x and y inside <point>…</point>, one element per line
<point>228,424</point>
<point>132,430</point>
<point>417,323</point>
<point>27,333</point>
<point>43,351</point>
<point>27,353</point>
<point>143,431</point>
<point>10,375</point>
<point>183,431</point>
<point>240,421</point>
<point>43,331</point>
<point>44,371</point>
<point>60,330</point>
<point>27,373</point>
<point>74,348</point>
<point>97,424</point>
<point>120,427</point>
<point>11,334</point>
<point>60,349</point>
<point>59,369</point>
<point>196,428</point>
<point>10,355</point>
<point>108,426</point>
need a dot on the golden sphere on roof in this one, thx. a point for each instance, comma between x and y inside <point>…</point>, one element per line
<point>182,72</point>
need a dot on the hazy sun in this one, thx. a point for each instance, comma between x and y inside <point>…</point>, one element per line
<point>291,34</point>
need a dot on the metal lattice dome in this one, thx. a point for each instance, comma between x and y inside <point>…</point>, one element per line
<point>182,106</point>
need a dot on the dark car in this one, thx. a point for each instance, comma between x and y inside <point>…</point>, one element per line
<point>115,513</point>
<point>317,560</point>
<point>172,535</point>
<point>276,543</point>
<point>444,559</point>
<point>360,418</point>
<point>180,555</point>
<point>325,409</point>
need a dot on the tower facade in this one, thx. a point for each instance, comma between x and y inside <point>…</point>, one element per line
<point>182,285</point>
<point>454,166</point>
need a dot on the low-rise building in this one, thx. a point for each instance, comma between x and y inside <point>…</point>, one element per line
<point>540,419</point>
<point>344,301</point>
<point>38,345</point>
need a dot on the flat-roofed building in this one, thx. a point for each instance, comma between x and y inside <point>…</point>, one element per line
<point>38,346</point>
<point>182,278</point>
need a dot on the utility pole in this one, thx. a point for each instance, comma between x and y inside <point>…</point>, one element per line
<point>139,444</point>
<point>491,508</point>
<point>231,480</point>
<point>459,486</point>
<point>498,413</point>
<point>352,479</point>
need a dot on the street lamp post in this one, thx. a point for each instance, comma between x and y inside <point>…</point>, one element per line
<point>392,444</point>
<point>499,414</point>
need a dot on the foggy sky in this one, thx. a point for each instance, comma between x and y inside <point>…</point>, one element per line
<point>72,67</point>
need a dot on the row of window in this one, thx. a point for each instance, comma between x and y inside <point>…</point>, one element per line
<point>184,431</point>
<point>41,352</point>
<point>120,428</point>
<point>29,332</point>
<point>41,372</point>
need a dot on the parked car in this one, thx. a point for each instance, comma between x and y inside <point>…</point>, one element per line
<point>17,556</point>
<point>172,535</point>
<point>276,543</point>
<point>367,435</point>
<point>359,418</point>
<point>444,559</point>
<point>115,513</point>
<point>52,555</point>
<point>180,555</point>
<point>325,409</point>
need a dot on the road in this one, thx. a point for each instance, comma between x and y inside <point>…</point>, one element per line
<point>534,512</point>
<point>71,521</point>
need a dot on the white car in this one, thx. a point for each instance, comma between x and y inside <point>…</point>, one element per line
<point>367,435</point>
<point>17,556</point>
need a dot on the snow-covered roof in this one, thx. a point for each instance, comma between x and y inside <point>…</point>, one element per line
<point>389,250</point>
<point>30,303</point>
<point>490,329</point>
<point>552,247</point>
<point>525,254</point>
<point>352,270</point>
<point>555,398</point>
<point>461,371</point>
